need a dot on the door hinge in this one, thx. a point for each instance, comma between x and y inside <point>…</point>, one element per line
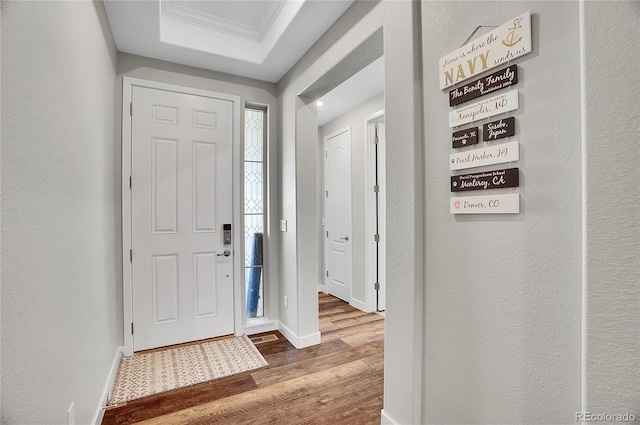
<point>376,188</point>
<point>376,286</point>
<point>130,181</point>
<point>131,255</point>
<point>375,138</point>
<point>326,154</point>
<point>326,193</point>
<point>131,108</point>
<point>327,233</point>
<point>376,238</point>
<point>131,328</point>
<point>327,273</point>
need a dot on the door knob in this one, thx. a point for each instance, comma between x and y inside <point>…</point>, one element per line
<point>346,238</point>
<point>226,253</point>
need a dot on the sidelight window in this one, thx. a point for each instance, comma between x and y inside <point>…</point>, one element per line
<point>254,208</point>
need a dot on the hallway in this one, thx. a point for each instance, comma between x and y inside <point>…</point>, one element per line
<point>504,318</point>
<point>339,381</point>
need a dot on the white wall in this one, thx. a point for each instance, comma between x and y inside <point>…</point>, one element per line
<point>612,225</point>
<point>527,318</point>
<point>61,278</point>
<point>299,158</point>
<point>503,328</point>
<point>252,92</point>
<point>503,292</point>
<point>355,119</point>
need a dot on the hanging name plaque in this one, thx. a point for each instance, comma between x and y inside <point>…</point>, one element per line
<point>498,80</point>
<point>466,137</point>
<point>509,177</point>
<point>485,204</point>
<point>507,42</point>
<point>484,109</point>
<point>499,129</point>
<point>496,154</point>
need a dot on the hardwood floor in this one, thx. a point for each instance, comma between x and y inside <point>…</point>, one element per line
<point>337,382</point>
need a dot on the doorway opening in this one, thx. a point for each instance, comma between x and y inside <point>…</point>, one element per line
<point>354,210</point>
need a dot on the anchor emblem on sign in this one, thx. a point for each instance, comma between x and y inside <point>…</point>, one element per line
<point>513,38</point>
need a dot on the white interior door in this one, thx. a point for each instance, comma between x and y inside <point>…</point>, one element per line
<point>181,195</point>
<point>337,175</point>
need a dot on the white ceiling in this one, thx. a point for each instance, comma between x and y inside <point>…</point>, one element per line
<point>260,39</point>
<point>363,86</point>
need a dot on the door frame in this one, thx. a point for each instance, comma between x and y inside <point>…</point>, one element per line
<point>128,83</point>
<point>369,211</point>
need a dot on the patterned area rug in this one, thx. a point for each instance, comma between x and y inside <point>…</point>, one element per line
<point>152,373</point>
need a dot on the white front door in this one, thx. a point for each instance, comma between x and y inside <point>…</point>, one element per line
<point>337,176</point>
<point>181,196</point>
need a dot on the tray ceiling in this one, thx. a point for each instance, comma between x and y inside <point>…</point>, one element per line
<point>259,39</point>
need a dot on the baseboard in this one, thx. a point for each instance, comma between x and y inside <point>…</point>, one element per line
<point>298,341</point>
<point>385,419</point>
<point>108,386</point>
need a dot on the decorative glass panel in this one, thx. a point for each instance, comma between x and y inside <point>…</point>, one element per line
<point>253,187</point>
<point>254,132</point>
<point>254,211</point>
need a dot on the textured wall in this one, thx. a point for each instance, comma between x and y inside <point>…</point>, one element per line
<point>355,119</point>
<point>61,278</point>
<point>404,182</point>
<point>612,290</point>
<point>405,211</point>
<point>503,292</point>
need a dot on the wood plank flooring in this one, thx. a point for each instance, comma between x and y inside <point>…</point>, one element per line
<point>339,381</point>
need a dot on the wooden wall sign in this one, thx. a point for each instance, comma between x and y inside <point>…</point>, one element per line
<point>499,129</point>
<point>484,109</point>
<point>466,137</point>
<point>509,177</point>
<point>486,204</point>
<point>498,80</point>
<point>507,42</point>
<point>496,154</point>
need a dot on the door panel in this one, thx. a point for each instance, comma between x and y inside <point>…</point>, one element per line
<point>165,288</point>
<point>204,266</point>
<point>338,214</point>
<point>204,183</point>
<point>180,198</point>
<point>164,186</point>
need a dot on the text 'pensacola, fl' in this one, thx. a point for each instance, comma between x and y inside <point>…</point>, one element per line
<point>466,137</point>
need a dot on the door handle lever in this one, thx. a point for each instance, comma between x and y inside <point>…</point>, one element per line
<point>226,253</point>
<point>346,238</point>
